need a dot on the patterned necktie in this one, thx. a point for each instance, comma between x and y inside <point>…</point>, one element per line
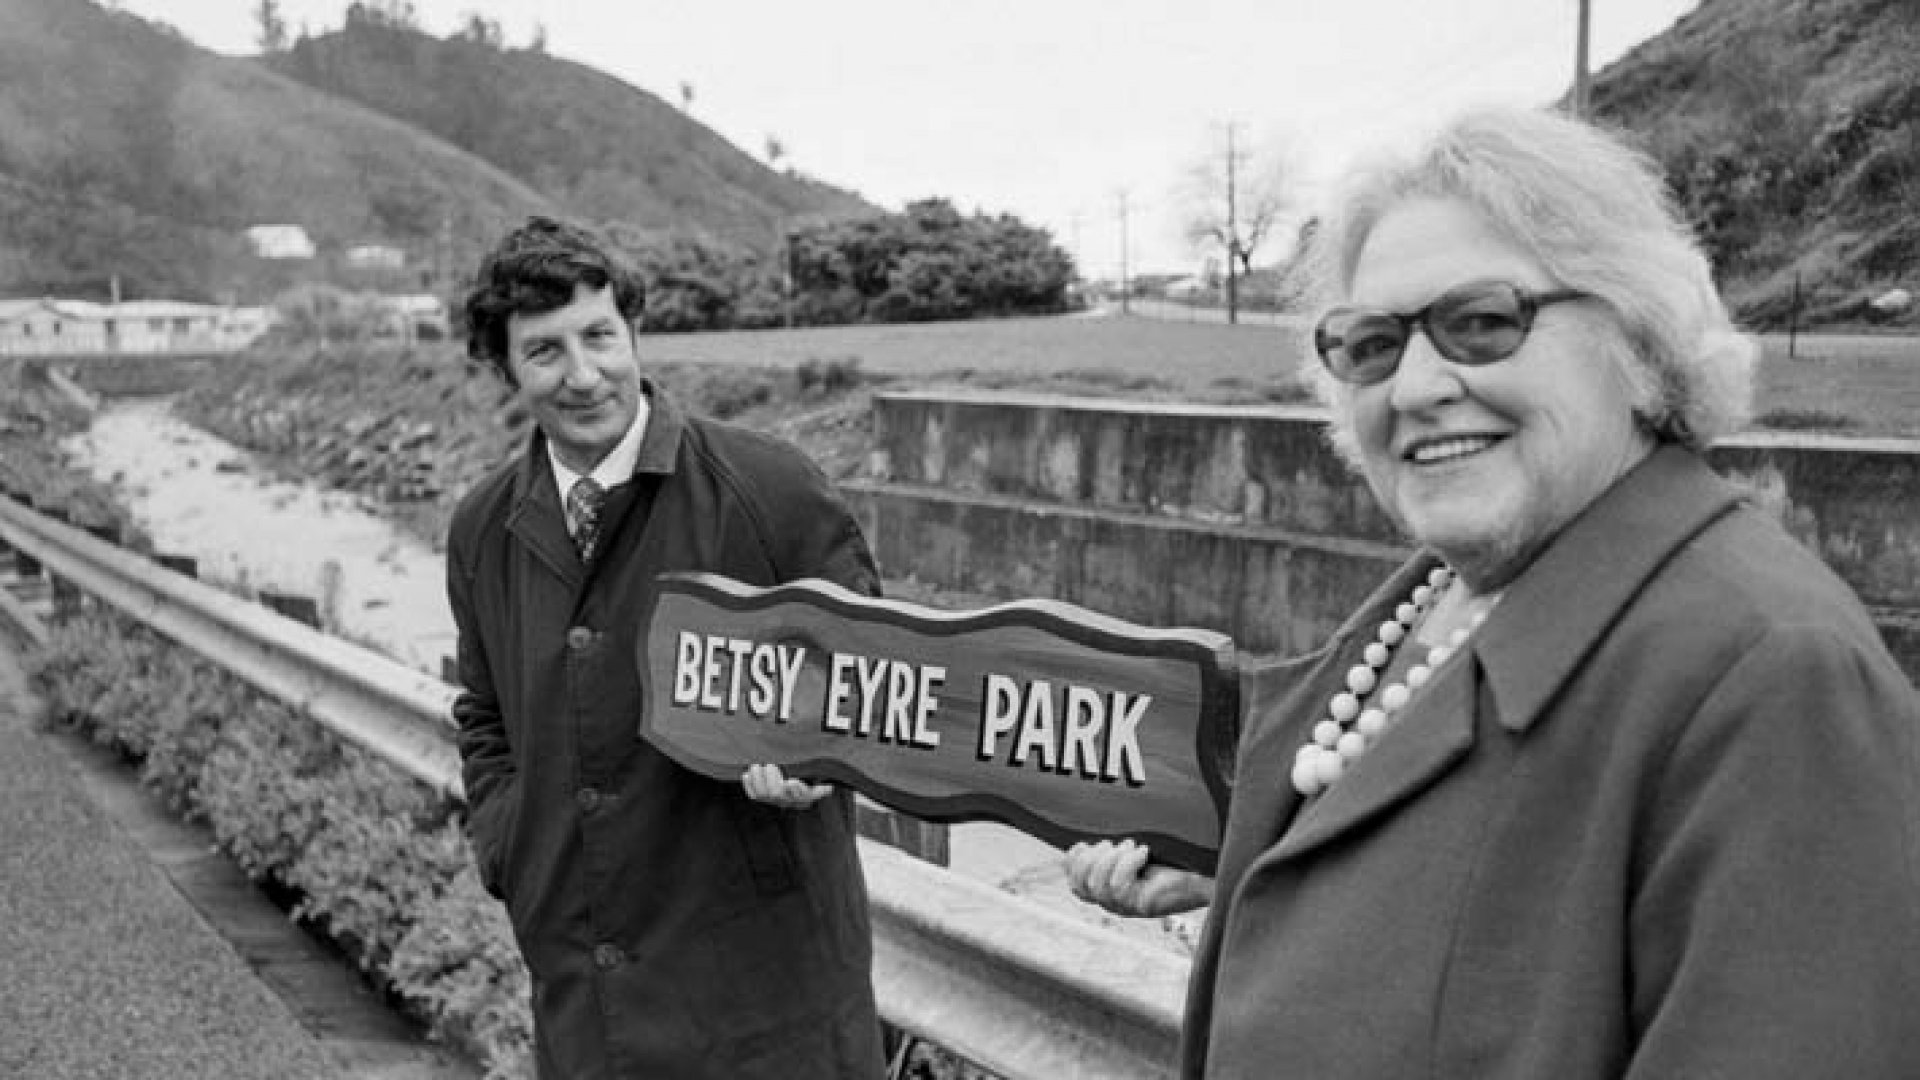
<point>583,509</point>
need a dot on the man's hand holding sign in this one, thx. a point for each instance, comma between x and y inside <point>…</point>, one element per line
<point>1066,723</point>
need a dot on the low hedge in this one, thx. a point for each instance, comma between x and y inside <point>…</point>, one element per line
<point>376,859</point>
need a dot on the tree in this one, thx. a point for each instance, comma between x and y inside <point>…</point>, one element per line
<point>399,13</point>
<point>539,42</point>
<point>686,96</point>
<point>1234,199</point>
<point>273,26</point>
<point>775,151</point>
<point>483,31</point>
<point>929,262</point>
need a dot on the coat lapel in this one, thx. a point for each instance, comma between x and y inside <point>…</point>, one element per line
<point>659,457</point>
<point>1435,734</point>
<point>1562,606</point>
<point>537,521</point>
<point>1280,707</point>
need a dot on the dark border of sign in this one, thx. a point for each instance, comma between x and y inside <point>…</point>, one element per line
<point>1209,650</point>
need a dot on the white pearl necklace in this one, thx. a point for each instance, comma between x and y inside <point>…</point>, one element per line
<point>1353,727</point>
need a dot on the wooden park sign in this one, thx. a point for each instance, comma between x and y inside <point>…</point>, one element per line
<point>1061,721</point>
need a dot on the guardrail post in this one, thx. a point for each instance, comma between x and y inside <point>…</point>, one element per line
<point>180,564</point>
<point>922,839</point>
<point>303,609</point>
<point>68,599</point>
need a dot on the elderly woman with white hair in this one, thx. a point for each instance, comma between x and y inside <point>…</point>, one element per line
<point>1614,778</point>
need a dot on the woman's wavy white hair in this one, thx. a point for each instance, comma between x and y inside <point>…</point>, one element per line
<point>1596,214</point>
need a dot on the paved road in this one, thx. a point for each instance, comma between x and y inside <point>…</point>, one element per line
<point>1172,312</point>
<point>110,973</point>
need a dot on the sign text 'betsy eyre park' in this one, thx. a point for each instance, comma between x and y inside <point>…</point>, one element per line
<point>1062,721</point>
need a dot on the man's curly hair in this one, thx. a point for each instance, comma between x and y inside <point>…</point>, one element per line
<point>533,270</point>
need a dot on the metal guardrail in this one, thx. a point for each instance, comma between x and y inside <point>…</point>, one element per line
<point>377,702</point>
<point>1017,987</point>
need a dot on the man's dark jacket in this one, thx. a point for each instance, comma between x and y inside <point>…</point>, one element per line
<point>673,927</point>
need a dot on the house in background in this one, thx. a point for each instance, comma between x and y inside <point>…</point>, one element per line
<point>51,327</point>
<point>27,326</point>
<point>280,242</point>
<point>376,257</point>
<point>408,316</point>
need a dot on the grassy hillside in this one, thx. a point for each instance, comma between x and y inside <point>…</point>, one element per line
<point>125,149</point>
<point>602,148</point>
<point>128,152</point>
<point>1792,131</point>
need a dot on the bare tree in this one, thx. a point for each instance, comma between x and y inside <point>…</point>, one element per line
<point>1233,197</point>
<point>273,26</point>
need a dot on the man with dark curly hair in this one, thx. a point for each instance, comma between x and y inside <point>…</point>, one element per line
<point>674,926</point>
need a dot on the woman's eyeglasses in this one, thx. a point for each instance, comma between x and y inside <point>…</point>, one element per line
<point>1476,323</point>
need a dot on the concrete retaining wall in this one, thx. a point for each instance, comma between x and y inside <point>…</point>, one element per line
<point>1243,519</point>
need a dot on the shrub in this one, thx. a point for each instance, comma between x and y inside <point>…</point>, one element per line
<point>829,376</point>
<point>375,859</point>
<point>1803,420</point>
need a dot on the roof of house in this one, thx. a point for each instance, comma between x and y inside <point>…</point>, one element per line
<point>88,310</point>
<point>11,309</point>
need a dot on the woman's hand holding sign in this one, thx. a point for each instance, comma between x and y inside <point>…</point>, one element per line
<point>1118,876</point>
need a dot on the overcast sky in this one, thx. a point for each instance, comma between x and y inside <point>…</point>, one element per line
<point>1047,109</point>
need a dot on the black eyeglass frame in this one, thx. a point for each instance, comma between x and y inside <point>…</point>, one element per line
<point>1527,305</point>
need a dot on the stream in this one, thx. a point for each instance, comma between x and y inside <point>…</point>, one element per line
<point>199,496</point>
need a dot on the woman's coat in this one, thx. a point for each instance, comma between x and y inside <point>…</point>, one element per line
<point>1661,818</point>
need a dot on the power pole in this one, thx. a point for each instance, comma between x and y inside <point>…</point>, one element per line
<point>443,272</point>
<point>1126,289</point>
<point>1580,105</point>
<point>1233,236</point>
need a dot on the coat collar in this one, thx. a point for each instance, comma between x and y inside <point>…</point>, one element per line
<point>1551,617</point>
<point>1557,610</point>
<point>659,448</point>
<point>536,517</point>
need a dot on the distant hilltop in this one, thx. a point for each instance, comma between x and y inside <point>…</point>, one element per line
<point>1791,131</point>
<point>128,152</point>
<point>1790,128</point>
